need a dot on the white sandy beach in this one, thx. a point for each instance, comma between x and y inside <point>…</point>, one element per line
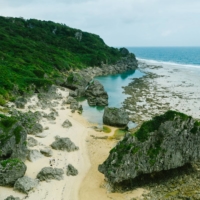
<point>179,87</point>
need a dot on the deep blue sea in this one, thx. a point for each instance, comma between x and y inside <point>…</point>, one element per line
<point>171,55</point>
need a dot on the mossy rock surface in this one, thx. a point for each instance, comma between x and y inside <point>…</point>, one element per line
<point>12,138</point>
<point>166,142</point>
<point>10,171</point>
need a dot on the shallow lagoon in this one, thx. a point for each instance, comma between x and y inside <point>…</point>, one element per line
<point>113,85</point>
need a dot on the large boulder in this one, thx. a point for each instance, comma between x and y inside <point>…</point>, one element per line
<point>49,173</point>
<point>115,117</point>
<point>166,142</point>
<point>34,154</point>
<point>96,95</point>
<point>10,171</point>
<point>12,139</point>
<point>64,144</point>
<point>25,184</point>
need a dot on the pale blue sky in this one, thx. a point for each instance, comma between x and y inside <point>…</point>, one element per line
<point>119,22</point>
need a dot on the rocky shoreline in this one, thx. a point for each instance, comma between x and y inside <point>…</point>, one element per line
<point>160,90</point>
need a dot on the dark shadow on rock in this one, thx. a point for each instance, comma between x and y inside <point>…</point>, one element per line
<point>151,180</point>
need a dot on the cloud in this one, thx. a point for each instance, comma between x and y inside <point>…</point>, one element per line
<point>127,22</point>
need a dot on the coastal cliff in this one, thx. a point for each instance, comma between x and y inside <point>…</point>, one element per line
<point>166,142</point>
<point>39,53</point>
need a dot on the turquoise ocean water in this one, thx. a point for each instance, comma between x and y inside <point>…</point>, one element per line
<point>186,57</point>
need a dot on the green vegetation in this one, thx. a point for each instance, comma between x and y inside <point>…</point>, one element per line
<point>152,125</point>
<point>106,129</point>
<point>11,162</point>
<point>39,52</point>
<point>6,124</point>
<point>196,127</point>
<point>119,133</point>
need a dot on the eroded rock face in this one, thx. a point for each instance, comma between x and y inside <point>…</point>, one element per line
<point>49,173</point>
<point>115,117</point>
<point>10,171</point>
<point>25,184</point>
<point>96,95</point>
<point>165,142</point>
<point>12,139</point>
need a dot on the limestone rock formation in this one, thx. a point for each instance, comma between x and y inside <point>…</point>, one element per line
<point>71,170</point>
<point>10,171</point>
<point>165,142</point>
<point>49,173</point>
<point>96,95</point>
<point>32,142</point>
<point>64,144</point>
<point>29,120</point>
<point>115,117</point>
<point>12,139</point>
<point>21,102</point>
<point>25,184</point>
<point>33,155</point>
<point>66,124</point>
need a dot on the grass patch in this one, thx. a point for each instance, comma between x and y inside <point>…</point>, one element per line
<point>119,133</point>
<point>106,129</point>
<point>149,126</point>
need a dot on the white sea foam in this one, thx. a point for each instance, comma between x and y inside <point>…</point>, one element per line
<point>155,62</point>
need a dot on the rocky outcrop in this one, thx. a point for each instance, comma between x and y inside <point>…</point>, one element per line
<point>12,139</point>
<point>64,144</point>
<point>115,117</point>
<point>32,142</point>
<point>10,171</point>
<point>165,142</point>
<point>79,80</point>
<point>33,155</point>
<point>71,170</point>
<point>96,95</point>
<point>29,120</point>
<point>21,102</point>
<point>25,184</point>
<point>66,124</point>
<point>49,173</point>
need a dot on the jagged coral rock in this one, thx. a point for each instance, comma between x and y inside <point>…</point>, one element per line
<point>165,142</point>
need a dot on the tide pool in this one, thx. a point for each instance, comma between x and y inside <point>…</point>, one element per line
<point>113,85</point>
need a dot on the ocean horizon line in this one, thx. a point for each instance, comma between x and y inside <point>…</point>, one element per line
<point>167,63</point>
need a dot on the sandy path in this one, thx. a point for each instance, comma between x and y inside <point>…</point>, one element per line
<point>66,189</point>
<point>94,186</point>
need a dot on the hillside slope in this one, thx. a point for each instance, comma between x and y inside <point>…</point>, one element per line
<point>37,52</point>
